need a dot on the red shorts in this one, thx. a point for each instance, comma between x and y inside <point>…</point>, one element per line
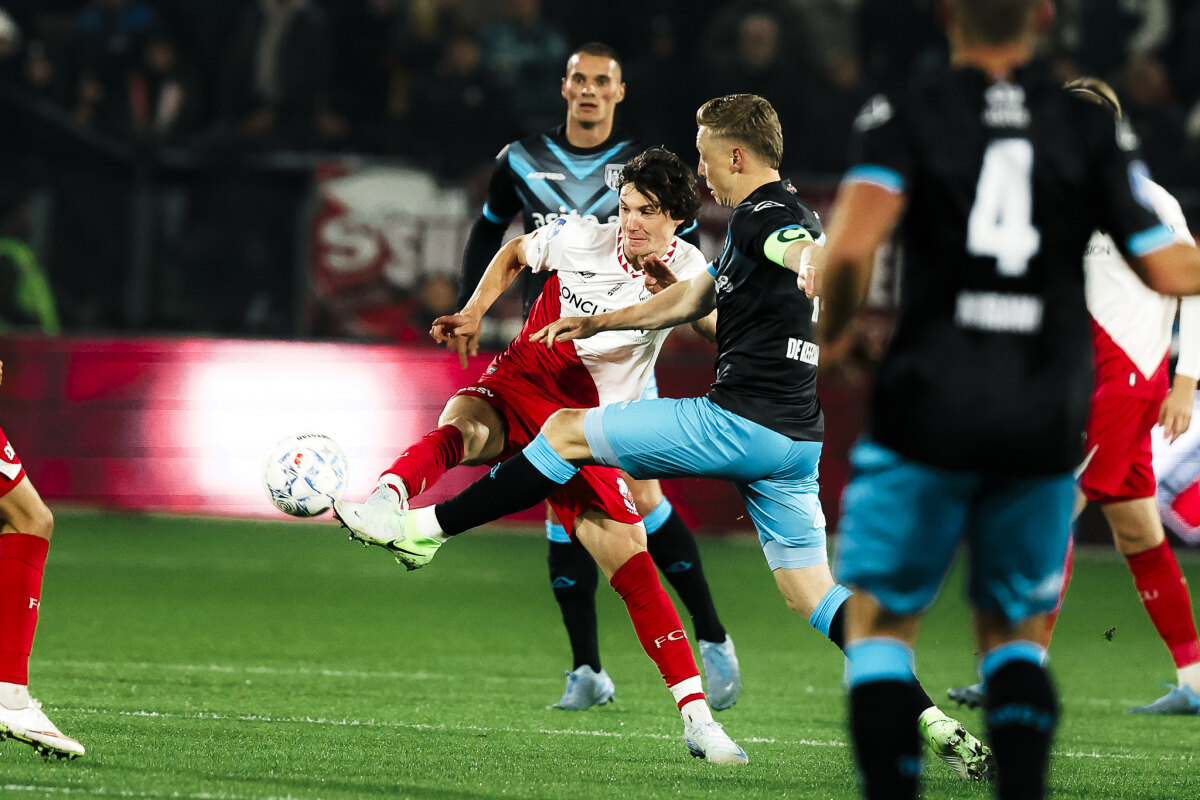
<point>1118,432</point>
<point>525,408</point>
<point>12,471</point>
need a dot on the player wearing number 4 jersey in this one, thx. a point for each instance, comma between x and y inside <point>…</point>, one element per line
<point>996,179</point>
<point>1131,336</point>
<point>595,268</point>
<point>25,528</point>
<point>760,426</point>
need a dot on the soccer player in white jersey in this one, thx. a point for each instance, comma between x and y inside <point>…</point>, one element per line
<point>596,268</point>
<point>1131,337</point>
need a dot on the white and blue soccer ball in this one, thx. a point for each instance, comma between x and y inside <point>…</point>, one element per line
<point>304,474</point>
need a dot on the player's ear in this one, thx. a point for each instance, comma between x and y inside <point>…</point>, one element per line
<point>563,90</point>
<point>620,93</point>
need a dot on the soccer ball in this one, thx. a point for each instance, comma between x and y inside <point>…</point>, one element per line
<point>304,474</point>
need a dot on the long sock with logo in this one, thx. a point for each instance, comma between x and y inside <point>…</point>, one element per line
<point>519,483</point>
<point>1021,712</point>
<point>884,705</point>
<point>658,627</point>
<point>420,466</point>
<point>673,548</point>
<point>1164,593</point>
<point>22,561</point>
<point>574,578</point>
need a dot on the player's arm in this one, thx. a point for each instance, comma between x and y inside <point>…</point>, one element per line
<point>863,217</point>
<point>684,302</point>
<point>1172,270</point>
<point>501,205</point>
<point>659,277</point>
<point>1175,415</point>
<point>460,331</point>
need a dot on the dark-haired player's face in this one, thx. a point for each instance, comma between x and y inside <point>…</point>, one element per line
<point>592,88</point>
<point>715,166</point>
<point>645,226</point>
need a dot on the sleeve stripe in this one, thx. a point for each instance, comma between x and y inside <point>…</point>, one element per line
<point>882,177</point>
<point>491,216</point>
<point>695,224</point>
<point>1150,240</point>
<point>712,269</point>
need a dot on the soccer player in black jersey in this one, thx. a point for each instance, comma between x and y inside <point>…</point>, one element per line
<point>760,426</point>
<point>996,179</point>
<point>572,171</point>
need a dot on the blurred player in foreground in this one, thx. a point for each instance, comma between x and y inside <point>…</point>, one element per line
<point>760,426</point>
<point>596,267</point>
<point>25,528</point>
<point>996,178</point>
<point>1131,337</point>
<point>570,171</point>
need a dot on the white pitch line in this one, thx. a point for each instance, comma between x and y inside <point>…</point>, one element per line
<point>223,669</point>
<point>426,726</point>
<point>103,792</point>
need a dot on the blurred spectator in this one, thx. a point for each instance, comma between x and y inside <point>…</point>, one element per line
<point>1105,35</point>
<point>1150,105</point>
<point>162,102</point>
<point>41,74</point>
<point>662,95</point>
<point>526,54</point>
<point>275,81</point>
<point>26,300</point>
<point>461,113</point>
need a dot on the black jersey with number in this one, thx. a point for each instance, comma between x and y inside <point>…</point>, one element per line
<point>989,368</point>
<point>544,177</point>
<point>766,350</point>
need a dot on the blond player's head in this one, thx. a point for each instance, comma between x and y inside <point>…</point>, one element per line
<point>997,22</point>
<point>748,120</point>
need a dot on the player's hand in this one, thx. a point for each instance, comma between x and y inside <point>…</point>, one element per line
<point>564,330</point>
<point>808,276</point>
<point>459,332</point>
<point>1,371</point>
<point>658,275</point>
<point>1175,415</point>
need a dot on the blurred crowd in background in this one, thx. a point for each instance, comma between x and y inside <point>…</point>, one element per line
<point>161,154</point>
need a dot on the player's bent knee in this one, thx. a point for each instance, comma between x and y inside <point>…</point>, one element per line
<point>646,494</point>
<point>564,431</point>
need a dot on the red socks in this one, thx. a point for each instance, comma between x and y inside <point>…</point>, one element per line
<point>1068,568</point>
<point>423,463</point>
<point>1164,593</point>
<point>657,623</point>
<point>22,560</point>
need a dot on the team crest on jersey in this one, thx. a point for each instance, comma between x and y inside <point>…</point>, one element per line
<point>612,175</point>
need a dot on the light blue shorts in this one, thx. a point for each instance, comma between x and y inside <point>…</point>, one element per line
<point>902,522</point>
<point>694,437</point>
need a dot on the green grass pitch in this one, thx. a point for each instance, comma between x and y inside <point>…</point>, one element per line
<point>221,660</point>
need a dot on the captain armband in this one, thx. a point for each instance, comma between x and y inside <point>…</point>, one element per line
<point>779,241</point>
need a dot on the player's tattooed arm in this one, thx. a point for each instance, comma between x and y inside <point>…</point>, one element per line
<point>460,331</point>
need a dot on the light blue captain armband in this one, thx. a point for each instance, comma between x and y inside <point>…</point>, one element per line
<point>882,177</point>
<point>779,241</point>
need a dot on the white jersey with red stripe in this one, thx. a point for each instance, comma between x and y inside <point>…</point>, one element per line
<point>1137,319</point>
<point>591,276</point>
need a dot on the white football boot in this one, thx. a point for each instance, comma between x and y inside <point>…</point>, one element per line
<point>385,521</point>
<point>708,740</point>
<point>29,724</point>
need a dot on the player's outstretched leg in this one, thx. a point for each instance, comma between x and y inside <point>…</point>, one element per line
<point>22,561</point>
<point>574,578</point>
<point>673,548</point>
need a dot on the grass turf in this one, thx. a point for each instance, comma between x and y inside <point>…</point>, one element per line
<point>222,660</point>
